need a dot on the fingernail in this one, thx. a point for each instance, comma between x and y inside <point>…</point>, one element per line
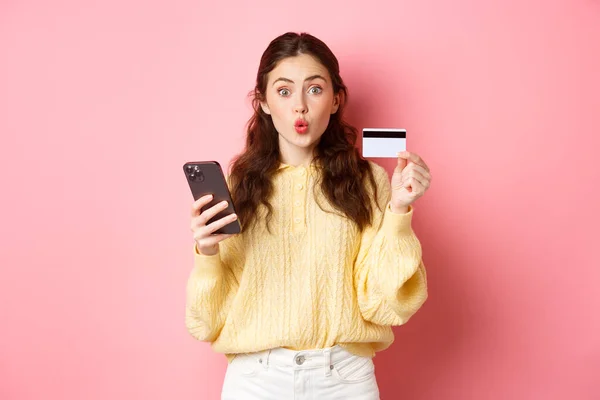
<point>224,203</point>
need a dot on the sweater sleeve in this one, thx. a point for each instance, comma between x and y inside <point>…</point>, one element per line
<point>211,287</point>
<point>389,274</point>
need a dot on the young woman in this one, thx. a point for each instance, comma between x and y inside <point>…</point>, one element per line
<point>327,261</point>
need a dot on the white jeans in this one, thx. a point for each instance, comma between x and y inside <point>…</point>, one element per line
<point>282,374</point>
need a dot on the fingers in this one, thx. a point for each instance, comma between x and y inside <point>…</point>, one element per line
<point>414,158</point>
<point>220,223</point>
<point>418,172</point>
<point>211,241</point>
<point>416,178</point>
<point>401,163</point>
<point>201,202</point>
<point>417,187</point>
<point>204,233</point>
<point>209,214</point>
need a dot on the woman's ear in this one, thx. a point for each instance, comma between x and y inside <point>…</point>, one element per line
<point>265,107</point>
<point>336,103</point>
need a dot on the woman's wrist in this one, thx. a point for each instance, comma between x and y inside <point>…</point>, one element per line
<point>398,210</point>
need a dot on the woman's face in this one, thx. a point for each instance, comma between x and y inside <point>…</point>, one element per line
<point>300,99</point>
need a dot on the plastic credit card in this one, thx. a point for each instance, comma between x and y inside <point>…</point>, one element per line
<point>383,143</point>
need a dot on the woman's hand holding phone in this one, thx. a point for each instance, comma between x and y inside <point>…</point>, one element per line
<point>206,241</point>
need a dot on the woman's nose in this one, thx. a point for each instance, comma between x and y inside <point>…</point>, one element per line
<point>300,105</point>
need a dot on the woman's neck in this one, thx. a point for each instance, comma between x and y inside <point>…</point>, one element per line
<point>296,156</point>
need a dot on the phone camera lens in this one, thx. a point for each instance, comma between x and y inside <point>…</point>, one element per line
<point>192,177</point>
<point>200,176</point>
<point>188,169</point>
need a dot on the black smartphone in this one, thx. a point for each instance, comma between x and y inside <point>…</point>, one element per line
<point>206,177</point>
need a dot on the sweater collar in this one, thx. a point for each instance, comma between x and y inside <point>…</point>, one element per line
<point>311,167</point>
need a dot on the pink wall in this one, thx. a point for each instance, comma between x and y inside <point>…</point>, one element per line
<point>102,101</point>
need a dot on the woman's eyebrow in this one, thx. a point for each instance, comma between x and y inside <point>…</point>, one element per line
<point>310,78</point>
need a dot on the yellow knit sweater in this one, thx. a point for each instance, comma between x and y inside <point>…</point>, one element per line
<point>314,282</point>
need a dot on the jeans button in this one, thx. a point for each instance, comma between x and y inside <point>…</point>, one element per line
<point>300,360</point>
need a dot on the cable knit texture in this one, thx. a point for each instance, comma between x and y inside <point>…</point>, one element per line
<point>315,281</point>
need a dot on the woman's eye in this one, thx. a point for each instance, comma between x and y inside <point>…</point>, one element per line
<point>284,92</point>
<point>315,90</point>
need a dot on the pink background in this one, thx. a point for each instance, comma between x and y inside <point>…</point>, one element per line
<point>103,101</point>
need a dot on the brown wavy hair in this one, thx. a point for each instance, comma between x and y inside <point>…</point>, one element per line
<point>344,172</point>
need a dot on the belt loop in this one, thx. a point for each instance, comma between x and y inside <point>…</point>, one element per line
<point>267,361</point>
<point>328,366</point>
